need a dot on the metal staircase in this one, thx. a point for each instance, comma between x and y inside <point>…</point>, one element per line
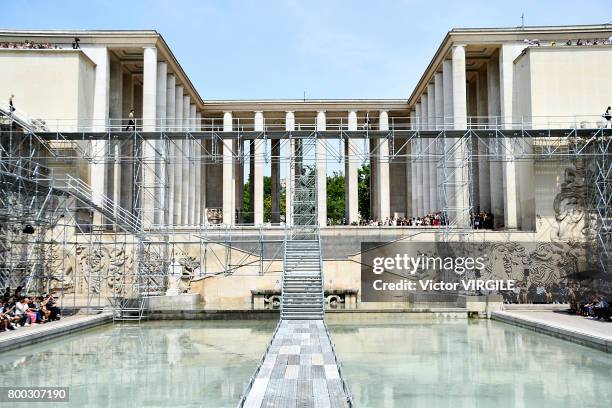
<point>302,293</point>
<point>302,288</point>
<point>20,175</point>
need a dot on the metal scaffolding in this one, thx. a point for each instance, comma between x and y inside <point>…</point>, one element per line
<point>43,186</point>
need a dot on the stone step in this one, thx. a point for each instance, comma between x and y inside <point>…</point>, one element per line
<point>309,280</point>
<point>309,306</point>
<point>302,316</point>
<point>306,290</point>
<point>295,305</point>
<point>302,289</point>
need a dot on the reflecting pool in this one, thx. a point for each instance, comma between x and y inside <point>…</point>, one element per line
<point>167,363</point>
<point>468,364</point>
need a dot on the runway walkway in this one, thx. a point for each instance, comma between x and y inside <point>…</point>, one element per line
<point>300,369</point>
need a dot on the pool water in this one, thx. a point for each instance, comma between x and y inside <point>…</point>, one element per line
<point>154,364</point>
<point>460,363</point>
<point>474,363</point>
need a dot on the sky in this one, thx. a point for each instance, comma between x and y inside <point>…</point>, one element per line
<point>282,49</point>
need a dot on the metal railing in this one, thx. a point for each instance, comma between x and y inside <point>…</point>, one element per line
<point>104,204</point>
<point>333,123</point>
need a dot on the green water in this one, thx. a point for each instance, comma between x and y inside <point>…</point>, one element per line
<point>154,364</point>
<point>422,364</point>
<point>469,364</point>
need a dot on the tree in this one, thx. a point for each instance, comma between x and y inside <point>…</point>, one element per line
<point>247,205</point>
<point>363,189</point>
<point>335,198</point>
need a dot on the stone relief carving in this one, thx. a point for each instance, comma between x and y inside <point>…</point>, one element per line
<point>120,264</point>
<point>190,266</point>
<point>61,268</point>
<point>336,301</point>
<point>272,301</point>
<point>574,223</point>
<point>104,262</point>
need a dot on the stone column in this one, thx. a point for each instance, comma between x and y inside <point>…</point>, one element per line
<point>170,112</point>
<point>462,199</point>
<point>194,168</point>
<point>423,152</point>
<point>484,180</point>
<point>459,88</point>
<point>229,178</point>
<point>495,165</point>
<point>149,113</point>
<point>113,171</point>
<point>200,174</point>
<point>161,180</point>
<point>408,179</point>
<point>258,175</point>
<point>239,172</point>
<point>186,193</point>
<point>447,172</point>
<point>431,106</point>
<point>289,168</point>
<point>412,167</point>
<point>384,198</point>
<point>373,146</point>
<point>252,178</point>
<point>126,149</point>
<point>321,155</point>
<point>275,180</point>
<point>418,163</point>
<point>177,216</point>
<point>447,89</point>
<point>439,100</point>
<point>431,143</point>
<point>438,146</point>
<point>507,54</point>
<point>149,89</point>
<point>351,193</point>
<point>97,168</point>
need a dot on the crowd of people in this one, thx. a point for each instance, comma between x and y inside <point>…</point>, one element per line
<point>482,220</point>
<point>433,219</point>
<point>18,310</point>
<point>28,45</point>
<point>600,41</point>
<point>596,307</point>
<point>478,220</point>
<point>582,301</point>
<point>542,293</point>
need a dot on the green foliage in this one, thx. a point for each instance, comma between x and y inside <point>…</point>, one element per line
<point>335,197</point>
<point>363,188</point>
<point>247,204</point>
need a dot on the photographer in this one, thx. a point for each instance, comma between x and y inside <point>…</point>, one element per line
<point>48,304</point>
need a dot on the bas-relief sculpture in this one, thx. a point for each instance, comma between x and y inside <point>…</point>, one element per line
<point>573,222</point>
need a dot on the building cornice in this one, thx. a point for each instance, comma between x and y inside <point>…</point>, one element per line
<point>494,37</point>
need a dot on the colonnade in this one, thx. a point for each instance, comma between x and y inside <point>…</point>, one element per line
<point>189,183</point>
<point>448,99</point>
